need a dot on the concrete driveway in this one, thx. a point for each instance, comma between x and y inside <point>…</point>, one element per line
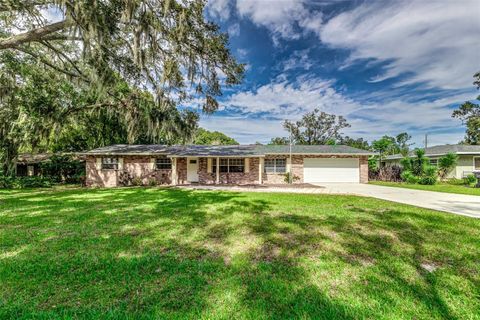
<point>455,203</point>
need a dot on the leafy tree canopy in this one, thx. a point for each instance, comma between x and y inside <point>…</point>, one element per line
<point>358,143</point>
<point>166,47</point>
<point>315,128</point>
<point>279,141</point>
<point>206,137</point>
<point>388,145</point>
<point>469,114</point>
<point>105,72</point>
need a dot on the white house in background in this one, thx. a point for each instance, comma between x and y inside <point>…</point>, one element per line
<point>468,158</point>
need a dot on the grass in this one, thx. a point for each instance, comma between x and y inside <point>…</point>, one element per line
<point>143,253</point>
<point>439,187</point>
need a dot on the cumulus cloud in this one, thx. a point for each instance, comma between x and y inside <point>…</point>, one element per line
<point>283,98</point>
<point>432,42</point>
<point>280,17</point>
<point>272,103</point>
<point>234,30</point>
<point>298,60</point>
<point>219,9</point>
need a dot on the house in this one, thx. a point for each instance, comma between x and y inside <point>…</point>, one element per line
<point>468,158</point>
<point>118,165</point>
<point>30,164</point>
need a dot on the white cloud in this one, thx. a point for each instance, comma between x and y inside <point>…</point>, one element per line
<point>436,42</point>
<point>298,60</point>
<point>234,30</point>
<point>219,9</point>
<point>280,17</point>
<point>282,100</point>
<point>242,53</point>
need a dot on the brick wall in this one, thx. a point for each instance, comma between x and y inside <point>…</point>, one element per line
<point>134,167</point>
<point>99,178</point>
<point>141,167</point>
<point>364,169</point>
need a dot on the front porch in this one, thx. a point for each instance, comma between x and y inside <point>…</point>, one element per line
<point>218,170</point>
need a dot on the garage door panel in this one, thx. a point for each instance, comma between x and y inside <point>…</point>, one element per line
<point>331,170</point>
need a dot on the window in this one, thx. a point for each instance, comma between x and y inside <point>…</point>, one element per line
<point>434,162</point>
<point>109,163</point>
<point>163,163</point>
<point>229,165</point>
<point>476,163</point>
<point>275,166</point>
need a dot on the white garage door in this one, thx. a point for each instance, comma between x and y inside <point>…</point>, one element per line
<point>331,170</point>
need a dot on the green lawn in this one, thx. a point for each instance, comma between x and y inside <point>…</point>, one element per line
<point>143,253</point>
<point>439,187</point>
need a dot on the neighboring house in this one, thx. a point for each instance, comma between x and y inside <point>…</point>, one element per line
<point>240,164</point>
<point>28,164</point>
<point>468,158</point>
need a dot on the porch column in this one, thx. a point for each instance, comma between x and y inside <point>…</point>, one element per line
<point>174,171</point>
<point>260,170</point>
<point>217,171</point>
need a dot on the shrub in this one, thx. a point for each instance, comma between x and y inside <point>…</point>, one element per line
<point>446,164</point>
<point>455,181</point>
<point>152,182</point>
<point>11,182</point>
<point>470,179</point>
<point>387,173</point>
<point>287,178</point>
<point>429,176</point>
<point>409,177</point>
<point>427,180</point>
<point>63,168</point>
<point>6,182</point>
<point>34,182</point>
<point>137,182</point>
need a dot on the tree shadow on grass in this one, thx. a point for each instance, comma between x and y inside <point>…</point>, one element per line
<point>147,252</point>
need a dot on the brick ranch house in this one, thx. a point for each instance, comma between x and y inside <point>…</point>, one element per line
<point>119,165</point>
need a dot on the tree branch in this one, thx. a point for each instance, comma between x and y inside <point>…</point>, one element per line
<point>33,35</point>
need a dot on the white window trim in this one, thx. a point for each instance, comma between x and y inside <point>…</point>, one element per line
<point>155,164</point>
<point>110,157</point>
<point>228,164</point>
<point>275,166</point>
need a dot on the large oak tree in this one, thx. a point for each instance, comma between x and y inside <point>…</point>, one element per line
<point>124,63</point>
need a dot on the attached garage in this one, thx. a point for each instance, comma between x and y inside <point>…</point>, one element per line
<point>318,170</point>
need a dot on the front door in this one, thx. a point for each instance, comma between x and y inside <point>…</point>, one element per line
<point>192,169</point>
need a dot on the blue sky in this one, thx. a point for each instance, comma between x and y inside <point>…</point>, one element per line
<point>387,66</point>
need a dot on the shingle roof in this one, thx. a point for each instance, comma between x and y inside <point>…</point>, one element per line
<point>442,150</point>
<point>28,158</point>
<point>312,149</point>
<point>231,150</point>
<point>132,149</point>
